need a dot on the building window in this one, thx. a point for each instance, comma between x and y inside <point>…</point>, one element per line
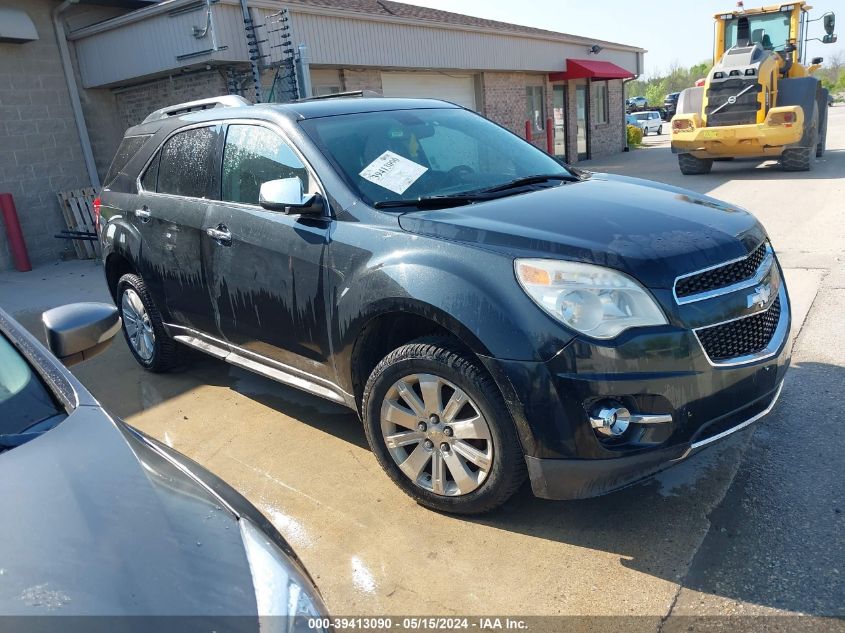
<point>535,107</point>
<point>600,90</point>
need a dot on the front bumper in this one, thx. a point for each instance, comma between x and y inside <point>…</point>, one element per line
<point>656,371</point>
<point>583,478</point>
<point>756,139</point>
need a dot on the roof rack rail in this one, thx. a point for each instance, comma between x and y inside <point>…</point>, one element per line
<point>226,101</point>
<point>363,94</point>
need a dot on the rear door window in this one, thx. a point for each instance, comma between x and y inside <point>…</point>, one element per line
<point>254,155</point>
<point>129,146</point>
<point>186,163</point>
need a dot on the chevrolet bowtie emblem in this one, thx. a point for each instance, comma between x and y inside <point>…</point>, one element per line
<point>760,296</point>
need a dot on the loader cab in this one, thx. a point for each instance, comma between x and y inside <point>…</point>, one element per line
<point>778,29</point>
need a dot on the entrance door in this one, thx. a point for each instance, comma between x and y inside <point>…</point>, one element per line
<point>559,118</point>
<point>582,121</point>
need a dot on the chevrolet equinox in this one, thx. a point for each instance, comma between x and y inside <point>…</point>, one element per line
<point>491,313</point>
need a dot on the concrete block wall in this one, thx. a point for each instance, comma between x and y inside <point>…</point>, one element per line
<point>136,102</point>
<point>361,79</point>
<point>40,151</point>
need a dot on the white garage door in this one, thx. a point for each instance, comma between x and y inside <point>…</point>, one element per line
<point>458,89</point>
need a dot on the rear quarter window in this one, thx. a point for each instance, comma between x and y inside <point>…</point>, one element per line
<point>129,147</point>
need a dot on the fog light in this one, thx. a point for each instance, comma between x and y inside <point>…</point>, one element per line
<point>609,420</point>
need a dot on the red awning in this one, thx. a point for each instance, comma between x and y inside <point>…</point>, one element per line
<point>587,68</point>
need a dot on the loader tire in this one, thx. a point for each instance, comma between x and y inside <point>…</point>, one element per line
<point>797,159</point>
<point>692,166</point>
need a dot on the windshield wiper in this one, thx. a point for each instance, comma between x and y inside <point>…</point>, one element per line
<point>531,180</point>
<point>431,202</point>
<point>479,195</point>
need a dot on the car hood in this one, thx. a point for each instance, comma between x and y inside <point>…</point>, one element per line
<point>95,522</point>
<point>653,232</point>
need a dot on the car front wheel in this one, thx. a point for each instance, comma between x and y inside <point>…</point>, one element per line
<point>440,429</point>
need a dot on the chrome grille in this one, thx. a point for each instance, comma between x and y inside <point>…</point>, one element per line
<point>742,337</point>
<point>721,276</point>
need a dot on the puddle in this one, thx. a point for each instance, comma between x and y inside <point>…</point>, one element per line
<point>361,576</point>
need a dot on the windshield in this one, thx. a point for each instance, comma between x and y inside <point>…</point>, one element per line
<point>24,400</point>
<point>770,30</point>
<point>410,154</point>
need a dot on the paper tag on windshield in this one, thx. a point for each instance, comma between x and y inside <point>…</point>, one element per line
<point>393,172</point>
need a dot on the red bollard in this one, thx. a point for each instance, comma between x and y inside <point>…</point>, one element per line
<point>550,137</point>
<point>528,131</point>
<point>13,231</point>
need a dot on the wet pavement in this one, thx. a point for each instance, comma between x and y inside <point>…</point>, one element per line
<point>751,525</point>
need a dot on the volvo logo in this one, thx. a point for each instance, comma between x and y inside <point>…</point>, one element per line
<point>732,99</point>
<point>761,295</point>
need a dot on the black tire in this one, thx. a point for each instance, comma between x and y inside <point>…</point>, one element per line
<point>660,129</point>
<point>692,166</point>
<point>440,357</point>
<point>797,159</point>
<point>166,353</point>
<point>645,131</point>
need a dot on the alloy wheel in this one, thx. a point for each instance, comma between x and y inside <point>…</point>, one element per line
<point>137,324</point>
<point>436,434</point>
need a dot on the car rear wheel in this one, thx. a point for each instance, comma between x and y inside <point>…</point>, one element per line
<point>692,166</point>
<point>149,343</point>
<point>659,129</point>
<point>438,426</point>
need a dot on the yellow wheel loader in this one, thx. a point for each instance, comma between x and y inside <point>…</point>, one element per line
<point>759,99</point>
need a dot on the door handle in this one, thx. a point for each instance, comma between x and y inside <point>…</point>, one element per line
<point>143,213</point>
<point>221,235</point>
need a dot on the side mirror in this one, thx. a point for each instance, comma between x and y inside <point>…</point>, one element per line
<point>816,60</point>
<point>286,195</point>
<point>829,22</point>
<point>79,331</point>
<point>829,39</point>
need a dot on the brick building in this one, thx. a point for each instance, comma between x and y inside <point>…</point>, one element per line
<point>126,58</point>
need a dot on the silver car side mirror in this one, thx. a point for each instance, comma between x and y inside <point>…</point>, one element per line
<point>286,195</point>
<point>79,331</point>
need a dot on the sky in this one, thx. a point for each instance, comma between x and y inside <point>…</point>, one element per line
<point>686,40</point>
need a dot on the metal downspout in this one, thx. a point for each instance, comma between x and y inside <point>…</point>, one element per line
<point>75,104</point>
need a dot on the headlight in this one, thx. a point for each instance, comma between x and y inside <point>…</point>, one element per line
<point>596,301</point>
<point>280,588</point>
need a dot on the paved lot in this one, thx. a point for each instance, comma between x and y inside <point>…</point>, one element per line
<point>754,525</point>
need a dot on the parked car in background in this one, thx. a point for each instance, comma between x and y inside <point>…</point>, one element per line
<point>670,105</point>
<point>650,121</point>
<point>101,520</point>
<point>467,294</point>
<point>636,104</point>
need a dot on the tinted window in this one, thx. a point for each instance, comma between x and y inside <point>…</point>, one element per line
<point>129,146</point>
<point>186,163</point>
<point>253,156</point>
<point>148,182</point>
<point>24,400</point>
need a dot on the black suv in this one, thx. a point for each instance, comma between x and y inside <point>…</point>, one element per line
<point>670,105</point>
<point>490,312</point>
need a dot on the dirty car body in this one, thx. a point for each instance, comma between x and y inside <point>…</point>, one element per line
<point>102,520</point>
<point>316,300</point>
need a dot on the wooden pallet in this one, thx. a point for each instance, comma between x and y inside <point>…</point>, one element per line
<point>78,211</point>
